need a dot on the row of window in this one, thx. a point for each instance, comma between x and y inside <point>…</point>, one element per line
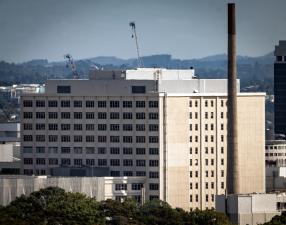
<point>91,138</point>
<point>195,103</point>
<point>207,138</point>
<point>79,162</point>
<point>100,127</point>
<point>195,115</point>
<point>90,150</point>
<point>196,198</point>
<point>136,186</point>
<point>90,104</point>
<point>212,172</point>
<point>207,126</point>
<point>91,115</point>
<point>196,150</point>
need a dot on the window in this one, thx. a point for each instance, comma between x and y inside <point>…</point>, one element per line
<point>65,150</point>
<point>101,104</point>
<point>127,139</point>
<point>77,150</point>
<point>140,151</point>
<point>65,103</point>
<point>127,127</point>
<point>101,127</point>
<point>77,162</point>
<point>40,149</point>
<point>114,162</point>
<point>28,103</point>
<point>221,115</point>
<point>153,174</point>
<point>206,115</point>
<point>89,126</point>
<point>53,161</point>
<point>27,149</point>
<point>90,138</point>
<point>114,104</point>
<point>196,115</point>
<point>90,150</point>
<point>191,115</point>
<point>40,126</point>
<point>102,115</point>
<point>120,187</point>
<point>102,162</point>
<point>127,162</point>
<point>77,104</point>
<point>53,126</point>
<point>221,126</point>
<point>196,103</point>
<point>221,150</point>
<point>221,103</point>
<point>101,138</point>
<point>53,103</point>
<point>212,103</point>
<point>40,103</point>
<point>65,138</point>
<point>136,186</point>
<point>154,163</point>
<point>40,161</point>
<point>77,138</point>
<point>127,116</point>
<point>40,138</point>
<point>127,151</point>
<point>153,127</point>
<point>140,173</point>
<point>212,115</point>
<point>53,115</point>
<point>28,126</point>
<point>114,151</point>
<point>153,104</point>
<point>206,103</point>
<point>153,116</point>
<point>115,139</point>
<point>212,126</point>
<point>28,115</point>
<point>65,115</point>
<point>140,127</point>
<point>140,162</point>
<point>65,162</point>
<point>28,161</point>
<point>127,104</point>
<point>63,89</point>
<point>65,126</point>
<point>40,115</point>
<point>89,115</point>
<point>154,186</point>
<point>138,89</point>
<point>212,138</point>
<point>77,126</point>
<point>140,104</point>
<point>53,138</point>
<point>114,115</point>
<point>222,173</point>
<point>153,139</point>
<point>222,162</point>
<point>90,162</point>
<point>115,127</point>
<point>140,116</point>
<point>115,173</point>
<point>222,185</point>
<point>153,151</point>
<point>89,104</point>
<point>77,115</point>
<point>128,173</point>
<point>140,139</point>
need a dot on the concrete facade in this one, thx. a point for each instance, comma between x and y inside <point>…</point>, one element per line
<point>170,130</point>
<point>102,188</point>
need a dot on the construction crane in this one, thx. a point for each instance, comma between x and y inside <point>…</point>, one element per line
<point>134,35</point>
<point>71,64</point>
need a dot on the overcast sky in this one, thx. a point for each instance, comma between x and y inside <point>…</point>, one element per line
<point>47,29</point>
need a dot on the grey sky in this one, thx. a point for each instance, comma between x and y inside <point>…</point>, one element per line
<point>31,29</point>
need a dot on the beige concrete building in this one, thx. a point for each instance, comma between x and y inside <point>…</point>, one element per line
<point>164,125</point>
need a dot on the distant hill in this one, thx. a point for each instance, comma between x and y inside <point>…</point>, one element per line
<point>253,71</point>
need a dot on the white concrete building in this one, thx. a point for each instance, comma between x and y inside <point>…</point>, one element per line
<point>164,125</point>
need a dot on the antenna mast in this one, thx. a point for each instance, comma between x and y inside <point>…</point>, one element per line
<point>71,64</point>
<point>134,35</point>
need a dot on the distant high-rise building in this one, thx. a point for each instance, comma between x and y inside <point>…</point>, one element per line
<point>280,88</point>
<point>164,125</point>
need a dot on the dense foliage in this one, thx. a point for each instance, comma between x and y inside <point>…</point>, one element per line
<point>52,206</point>
<point>278,220</point>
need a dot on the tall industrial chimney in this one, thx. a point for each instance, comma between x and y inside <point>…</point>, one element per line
<point>232,147</point>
